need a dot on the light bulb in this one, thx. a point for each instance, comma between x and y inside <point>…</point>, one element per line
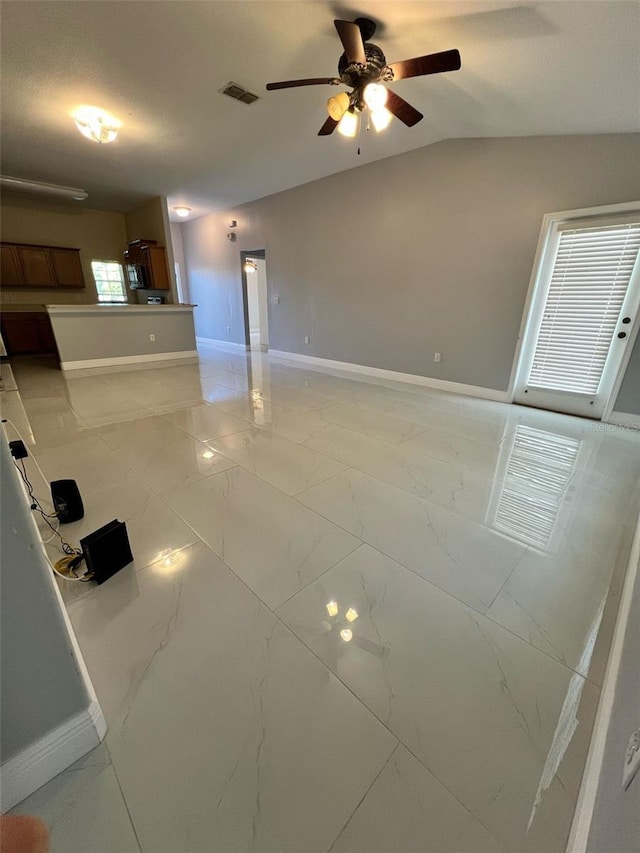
<point>351,615</point>
<point>338,105</point>
<point>96,124</point>
<point>348,124</point>
<point>375,96</point>
<point>380,118</point>
<point>250,266</point>
<point>332,608</point>
<point>182,211</point>
<point>346,634</point>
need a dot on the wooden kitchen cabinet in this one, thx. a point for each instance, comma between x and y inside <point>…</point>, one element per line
<point>36,266</point>
<point>41,267</point>
<point>10,269</point>
<point>27,332</point>
<point>154,259</point>
<point>67,267</point>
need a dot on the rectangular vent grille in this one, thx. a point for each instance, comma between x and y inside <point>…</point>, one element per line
<point>233,90</point>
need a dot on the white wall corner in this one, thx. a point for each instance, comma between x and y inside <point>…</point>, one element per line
<point>40,762</point>
<point>411,378</point>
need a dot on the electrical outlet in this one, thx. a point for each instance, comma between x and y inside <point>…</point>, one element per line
<point>228,329</point>
<point>276,300</point>
<point>307,339</point>
<point>436,357</point>
<point>631,759</point>
<point>152,337</point>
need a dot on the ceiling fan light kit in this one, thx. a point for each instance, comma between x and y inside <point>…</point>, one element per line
<point>363,68</point>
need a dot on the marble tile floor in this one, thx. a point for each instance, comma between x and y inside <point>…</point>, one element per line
<point>363,616</point>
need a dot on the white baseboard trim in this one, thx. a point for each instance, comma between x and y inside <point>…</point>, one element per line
<point>127,359</point>
<point>43,760</point>
<point>227,346</point>
<point>624,419</point>
<point>412,378</point>
<point>583,815</point>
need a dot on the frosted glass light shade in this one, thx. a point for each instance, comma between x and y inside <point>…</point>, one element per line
<point>348,124</point>
<point>375,96</point>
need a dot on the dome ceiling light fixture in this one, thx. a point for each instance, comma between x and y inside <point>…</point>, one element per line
<point>96,124</point>
<point>363,68</point>
<point>182,211</point>
<point>250,266</point>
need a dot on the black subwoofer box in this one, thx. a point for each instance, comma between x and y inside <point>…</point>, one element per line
<point>67,501</point>
<point>107,550</point>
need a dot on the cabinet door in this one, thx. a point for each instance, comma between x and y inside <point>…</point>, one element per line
<point>21,333</point>
<point>36,266</point>
<point>67,267</point>
<point>10,271</point>
<point>155,261</point>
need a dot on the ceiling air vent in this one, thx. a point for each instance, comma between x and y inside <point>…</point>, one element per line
<point>238,93</point>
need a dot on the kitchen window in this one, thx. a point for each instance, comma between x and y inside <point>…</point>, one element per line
<point>109,281</point>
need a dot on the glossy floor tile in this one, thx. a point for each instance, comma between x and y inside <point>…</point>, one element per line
<point>464,558</point>
<point>276,545</point>
<point>84,808</point>
<point>283,463</point>
<point>488,713</point>
<point>226,732</point>
<point>362,616</point>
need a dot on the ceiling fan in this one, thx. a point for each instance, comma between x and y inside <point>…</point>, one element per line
<point>363,68</point>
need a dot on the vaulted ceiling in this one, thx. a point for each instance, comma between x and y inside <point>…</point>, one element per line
<point>527,69</point>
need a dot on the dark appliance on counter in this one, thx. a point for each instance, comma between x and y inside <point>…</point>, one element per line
<point>134,261</point>
<point>146,265</point>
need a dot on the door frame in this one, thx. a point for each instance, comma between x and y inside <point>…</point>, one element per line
<point>549,221</point>
<point>244,254</point>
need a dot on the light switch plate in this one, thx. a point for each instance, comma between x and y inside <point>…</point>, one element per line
<point>631,759</point>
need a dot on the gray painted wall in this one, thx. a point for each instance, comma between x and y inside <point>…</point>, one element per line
<point>41,686</point>
<point>629,394</point>
<point>427,251</point>
<point>84,336</point>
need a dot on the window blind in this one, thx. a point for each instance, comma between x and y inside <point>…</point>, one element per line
<point>589,282</point>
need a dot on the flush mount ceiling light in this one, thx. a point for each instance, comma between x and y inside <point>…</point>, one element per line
<point>40,187</point>
<point>182,211</point>
<point>250,266</point>
<point>96,124</point>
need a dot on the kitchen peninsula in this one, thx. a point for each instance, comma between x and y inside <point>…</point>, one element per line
<point>89,336</point>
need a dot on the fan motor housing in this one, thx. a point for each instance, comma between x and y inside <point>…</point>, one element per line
<point>353,74</point>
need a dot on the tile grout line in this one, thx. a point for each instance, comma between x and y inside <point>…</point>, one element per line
<point>364,796</point>
<point>122,794</point>
<point>384,725</point>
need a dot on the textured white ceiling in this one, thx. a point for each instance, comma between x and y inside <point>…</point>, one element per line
<point>527,69</point>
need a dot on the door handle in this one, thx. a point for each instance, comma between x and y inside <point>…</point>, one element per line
<point>622,334</point>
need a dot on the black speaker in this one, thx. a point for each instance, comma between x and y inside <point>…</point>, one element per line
<point>67,501</point>
<point>107,550</point>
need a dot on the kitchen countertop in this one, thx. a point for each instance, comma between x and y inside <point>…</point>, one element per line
<point>109,308</point>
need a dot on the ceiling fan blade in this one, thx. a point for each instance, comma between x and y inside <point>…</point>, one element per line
<point>312,81</point>
<point>351,39</point>
<point>433,63</point>
<point>328,127</point>
<point>402,109</point>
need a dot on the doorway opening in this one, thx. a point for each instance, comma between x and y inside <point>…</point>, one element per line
<point>255,298</point>
<point>582,313</point>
